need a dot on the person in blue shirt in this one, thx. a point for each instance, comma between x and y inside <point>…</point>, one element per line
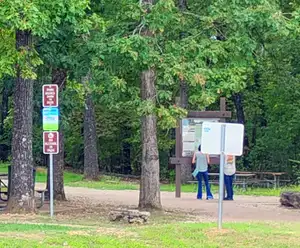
<point>201,170</point>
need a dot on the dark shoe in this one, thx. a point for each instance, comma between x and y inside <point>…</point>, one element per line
<point>209,198</point>
<point>199,198</point>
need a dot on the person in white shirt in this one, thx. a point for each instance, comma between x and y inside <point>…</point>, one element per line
<point>229,173</point>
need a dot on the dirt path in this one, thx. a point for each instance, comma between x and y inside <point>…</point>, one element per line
<point>244,208</point>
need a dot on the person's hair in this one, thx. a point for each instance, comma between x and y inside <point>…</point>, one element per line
<point>199,148</point>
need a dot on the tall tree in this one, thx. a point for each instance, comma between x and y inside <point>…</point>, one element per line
<point>91,166</point>
<point>59,77</point>
<point>28,18</point>
<point>150,183</point>
<point>22,188</point>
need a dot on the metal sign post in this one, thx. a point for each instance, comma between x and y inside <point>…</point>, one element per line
<point>50,137</point>
<point>221,176</point>
<point>222,139</point>
<point>51,184</point>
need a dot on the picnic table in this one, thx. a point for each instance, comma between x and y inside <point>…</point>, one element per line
<point>241,179</point>
<point>5,188</point>
<point>276,176</point>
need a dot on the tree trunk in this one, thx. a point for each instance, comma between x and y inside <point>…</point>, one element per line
<point>59,77</point>
<point>186,170</point>
<point>91,165</point>
<point>126,150</point>
<point>182,5</point>
<point>238,102</point>
<point>22,187</point>
<point>150,183</point>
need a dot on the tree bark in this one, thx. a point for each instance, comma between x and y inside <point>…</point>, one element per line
<point>240,114</point>
<point>150,181</point>
<point>182,5</point>
<point>91,165</point>
<point>22,187</point>
<point>238,102</point>
<point>59,77</point>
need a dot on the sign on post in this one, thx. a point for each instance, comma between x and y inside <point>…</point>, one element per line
<point>224,139</point>
<point>50,125</point>
<point>50,95</point>
<point>50,119</point>
<point>51,142</point>
<point>211,138</point>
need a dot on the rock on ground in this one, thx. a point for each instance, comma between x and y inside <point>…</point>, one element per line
<point>130,216</point>
<point>290,199</point>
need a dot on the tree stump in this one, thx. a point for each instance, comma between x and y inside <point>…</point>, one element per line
<point>130,216</point>
<point>290,199</point>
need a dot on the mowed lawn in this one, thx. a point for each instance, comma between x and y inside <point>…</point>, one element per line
<point>161,235</point>
<point>114,183</point>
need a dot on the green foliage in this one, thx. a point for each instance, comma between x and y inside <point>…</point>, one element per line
<point>218,48</point>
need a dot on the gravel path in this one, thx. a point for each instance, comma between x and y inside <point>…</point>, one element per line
<point>244,208</point>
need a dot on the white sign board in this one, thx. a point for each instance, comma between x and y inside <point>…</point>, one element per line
<point>211,138</point>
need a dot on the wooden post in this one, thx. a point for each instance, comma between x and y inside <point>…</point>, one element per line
<point>222,107</point>
<point>178,154</point>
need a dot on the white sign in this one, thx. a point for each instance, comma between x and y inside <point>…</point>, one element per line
<point>211,138</point>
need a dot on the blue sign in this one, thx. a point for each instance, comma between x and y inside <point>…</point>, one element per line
<point>50,119</point>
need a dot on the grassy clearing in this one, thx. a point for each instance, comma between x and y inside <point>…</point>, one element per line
<point>113,183</point>
<point>159,235</point>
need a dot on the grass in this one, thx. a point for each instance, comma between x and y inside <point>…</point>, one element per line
<point>113,183</point>
<point>181,235</point>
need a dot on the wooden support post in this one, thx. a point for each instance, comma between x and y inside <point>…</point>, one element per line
<point>222,107</point>
<point>178,166</point>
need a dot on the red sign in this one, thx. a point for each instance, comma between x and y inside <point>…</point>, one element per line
<point>51,142</point>
<point>50,95</point>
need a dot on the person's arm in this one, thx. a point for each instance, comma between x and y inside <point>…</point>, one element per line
<point>194,159</point>
<point>208,158</point>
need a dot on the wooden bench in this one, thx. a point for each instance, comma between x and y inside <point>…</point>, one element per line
<point>4,190</point>
<point>276,176</point>
<point>3,187</point>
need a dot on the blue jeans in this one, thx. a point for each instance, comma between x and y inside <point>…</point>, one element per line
<point>229,186</point>
<point>205,177</point>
